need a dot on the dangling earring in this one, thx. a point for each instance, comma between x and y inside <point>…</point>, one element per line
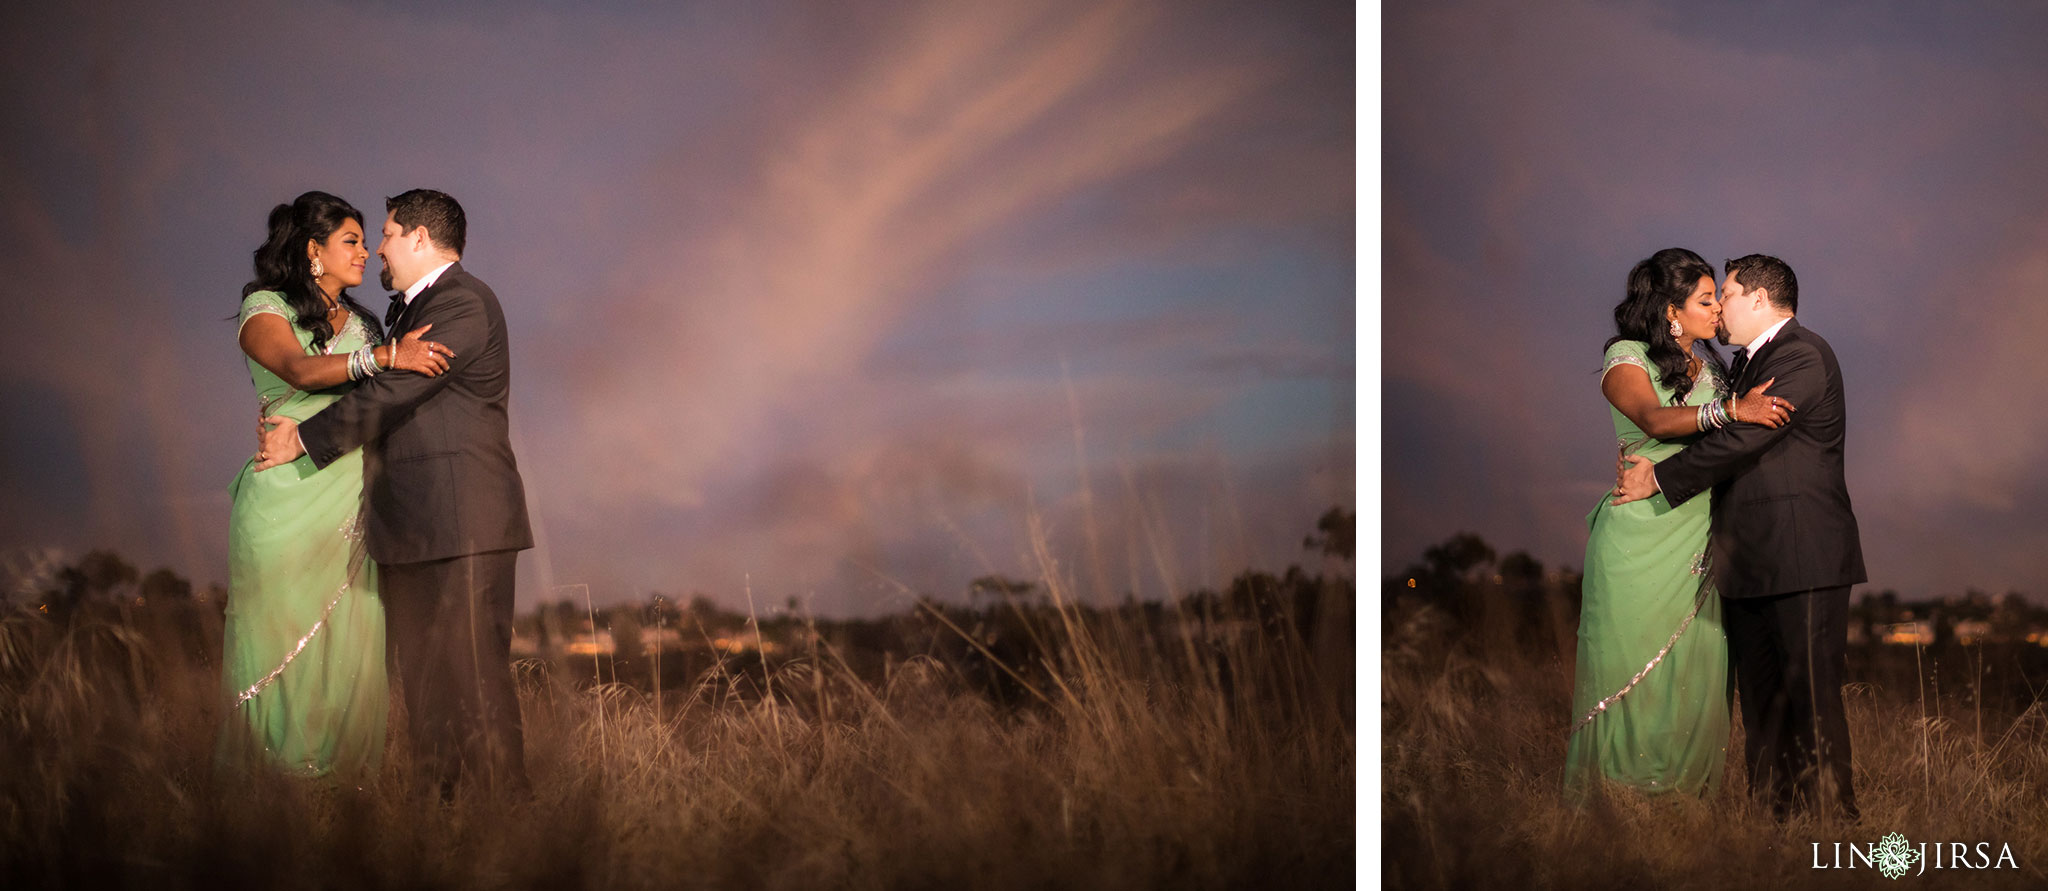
<point>319,269</point>
<point>1676,330</point>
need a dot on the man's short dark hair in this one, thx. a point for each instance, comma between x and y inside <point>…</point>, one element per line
<point>1769,273</point>
<point>435,210</point>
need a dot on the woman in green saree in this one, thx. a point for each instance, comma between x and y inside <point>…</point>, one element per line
<point>303,667</point>
<point>1651,692</point>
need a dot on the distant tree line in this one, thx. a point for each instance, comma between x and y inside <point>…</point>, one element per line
<point>42,581</point>
<point>1008,639</point>
<point>1002,637</point>
<point>1463,595</point>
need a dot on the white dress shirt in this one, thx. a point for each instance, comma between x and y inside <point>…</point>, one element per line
<point>1751,349</point>
<point>428,280</point>
<point>414,289</point>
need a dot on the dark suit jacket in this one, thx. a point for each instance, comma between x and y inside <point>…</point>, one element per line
<point>1782,521</point>
<point>438,469</point>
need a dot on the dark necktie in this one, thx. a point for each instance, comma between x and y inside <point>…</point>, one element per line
<point>398,308</point>
<point>1741,362</point>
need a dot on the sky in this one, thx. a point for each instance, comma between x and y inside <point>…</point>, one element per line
<point>844,303</point>
<point>1890,152</point>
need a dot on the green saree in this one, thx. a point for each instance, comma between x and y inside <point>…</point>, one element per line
<point>1651,693</point>
<point>303,668</point>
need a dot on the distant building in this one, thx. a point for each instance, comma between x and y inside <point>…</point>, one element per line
<point>587,644</point>
<point>1909,633</point>
<point>744,643</point>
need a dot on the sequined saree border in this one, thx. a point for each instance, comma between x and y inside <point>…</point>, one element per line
<point>1699,568</point>
<point>352,532</point>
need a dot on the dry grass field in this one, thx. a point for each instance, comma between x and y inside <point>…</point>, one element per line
<point>1154,746</point>
<point>1949,744</point>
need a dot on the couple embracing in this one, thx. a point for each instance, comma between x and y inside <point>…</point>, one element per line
<point>1728,542</point>
<point>383,504</point>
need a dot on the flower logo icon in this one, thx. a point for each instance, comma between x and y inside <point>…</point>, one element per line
<point>1894,855</point>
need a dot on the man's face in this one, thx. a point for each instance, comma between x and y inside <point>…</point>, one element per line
<point>1741,311</point>
<point>399,252</point>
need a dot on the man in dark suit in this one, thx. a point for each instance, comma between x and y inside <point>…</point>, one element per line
<point>1785,543</point>
<point>446,507</point>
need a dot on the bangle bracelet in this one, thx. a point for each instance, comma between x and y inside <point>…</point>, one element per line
<point>1713,415</point>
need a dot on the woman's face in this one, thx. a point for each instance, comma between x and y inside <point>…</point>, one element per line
<point>1700,316</point>
<point>343,256</point>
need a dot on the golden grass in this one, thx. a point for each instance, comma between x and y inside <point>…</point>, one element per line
<point>1224,761</point>
<point>1473,743</point>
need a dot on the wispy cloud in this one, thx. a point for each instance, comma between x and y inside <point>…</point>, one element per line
<point>928,150</point>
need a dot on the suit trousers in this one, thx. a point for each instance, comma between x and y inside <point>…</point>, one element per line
<point>449,623</point>
<point>1789,653</point>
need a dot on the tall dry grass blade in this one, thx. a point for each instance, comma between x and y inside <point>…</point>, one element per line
<point>1090,532</point>
<point>1161,562</point>
<point>597,670</point>
<point>1926,750</point>
<point>992,657</point>
<point>660,628</point>
<point>761,647</point>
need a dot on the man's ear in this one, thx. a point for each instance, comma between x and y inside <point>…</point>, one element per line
<point>1763,294</point>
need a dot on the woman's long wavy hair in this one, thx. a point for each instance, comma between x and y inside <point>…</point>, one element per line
<point>282,265</point>
<point>1666,279</point>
